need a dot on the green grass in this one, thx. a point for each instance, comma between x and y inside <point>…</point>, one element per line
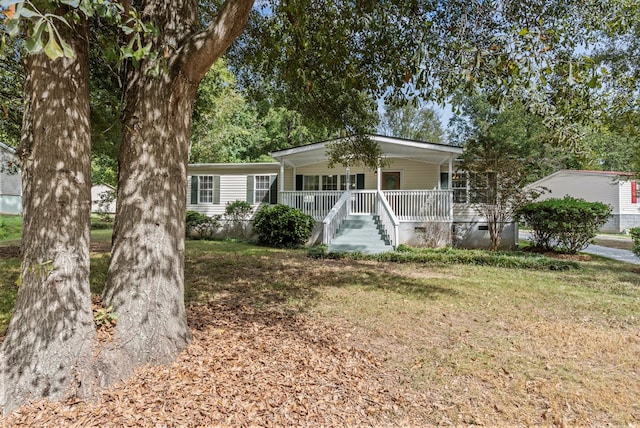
<point>10,227</point>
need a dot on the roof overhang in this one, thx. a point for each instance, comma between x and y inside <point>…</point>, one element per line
<point>393,148</point>
<point>267,167</point>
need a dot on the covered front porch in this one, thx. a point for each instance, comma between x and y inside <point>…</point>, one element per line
<point>413,190</point>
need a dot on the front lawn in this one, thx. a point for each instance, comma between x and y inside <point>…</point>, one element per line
<point>284,339</point>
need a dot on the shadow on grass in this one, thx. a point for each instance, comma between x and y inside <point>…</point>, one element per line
<point>290,282</point>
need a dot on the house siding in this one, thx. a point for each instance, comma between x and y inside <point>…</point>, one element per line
<point>232,185</point>
<point>10,186</point>
<point>610,188</point>
<point>413,175</point>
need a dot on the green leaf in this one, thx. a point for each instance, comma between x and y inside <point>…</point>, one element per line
<point>13,27</point>
<point>67,49</point>
<point>34,43</point>
<point>53,49</point>
<point>523,32</point>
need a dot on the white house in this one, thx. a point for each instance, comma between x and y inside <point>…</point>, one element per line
<point>10,181</point>
<point>616,189</point>
<point>103,199</point>
<point>409,201</point>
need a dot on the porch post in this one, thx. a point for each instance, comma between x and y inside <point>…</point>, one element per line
<point>451,188</point>
<point>379,179</point>
<point>282,177</point>
<point>347,173</point>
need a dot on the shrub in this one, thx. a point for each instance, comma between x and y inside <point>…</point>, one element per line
<point>566,224</point>
<point>282,226</point>
<point>237,213</point>
<point>201,226</point>
<point>635,235</point>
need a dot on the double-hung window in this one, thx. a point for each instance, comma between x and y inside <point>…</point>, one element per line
<point>262,187</point>
<point>205,189</point>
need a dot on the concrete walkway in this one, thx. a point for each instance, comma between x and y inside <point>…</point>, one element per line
<point>611,253</point>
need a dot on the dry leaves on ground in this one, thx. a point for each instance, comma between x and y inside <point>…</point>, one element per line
<point>246,367</point>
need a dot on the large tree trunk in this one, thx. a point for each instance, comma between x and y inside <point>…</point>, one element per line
<point>48,348</point>
<point>145,283</point>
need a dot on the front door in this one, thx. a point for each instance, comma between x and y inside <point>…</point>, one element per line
<point>391,181</point>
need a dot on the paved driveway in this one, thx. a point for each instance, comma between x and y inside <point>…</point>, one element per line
<point>598,250</point>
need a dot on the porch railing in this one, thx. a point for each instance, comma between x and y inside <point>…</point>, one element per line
<point>315,203</point>
<point>388,219</point>
<point>363,202</point>
<point>406,205</point>
<point>334,219</point>
<point>421,205</point>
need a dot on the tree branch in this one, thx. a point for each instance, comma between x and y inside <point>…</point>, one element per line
<point>204,48</point>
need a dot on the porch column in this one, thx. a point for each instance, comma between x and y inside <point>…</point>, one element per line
<point>451,188</point>
<point>379,179</point>
<point>282,177</point>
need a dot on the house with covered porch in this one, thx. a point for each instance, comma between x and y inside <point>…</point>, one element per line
<point>419,198</point>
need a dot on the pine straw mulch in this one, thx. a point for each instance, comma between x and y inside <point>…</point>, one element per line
<point>248,367</point>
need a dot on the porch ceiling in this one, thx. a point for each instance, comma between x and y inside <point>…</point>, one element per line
<point>392,147</point>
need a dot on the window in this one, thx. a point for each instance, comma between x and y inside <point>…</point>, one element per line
<point>206,189</point>
<point>311,182</point>
<point>329,182</point>
<point>482,188</point>
<point>343,182</point>
<point>262,187</point>
<point>459,186</point>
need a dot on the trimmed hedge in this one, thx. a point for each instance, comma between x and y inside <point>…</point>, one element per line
<point>566,225</point>
<point>449,256</point>
<point>282,226</point>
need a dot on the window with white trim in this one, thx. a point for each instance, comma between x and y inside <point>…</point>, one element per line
<point>329,182</point>
<point>459,187</point>
<point>352,182</point>
<point>206,189</point>
<point>262,188</point>
<point>311,182</point>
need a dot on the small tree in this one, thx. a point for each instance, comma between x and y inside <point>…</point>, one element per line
<point>497,182</point>
<point>237,213</point>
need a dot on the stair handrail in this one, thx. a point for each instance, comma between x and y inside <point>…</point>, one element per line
<point>388,219</point>
<point>331,223</point>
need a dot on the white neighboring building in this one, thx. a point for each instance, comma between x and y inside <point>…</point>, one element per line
<point>616,189</point>
<point>10,181</point>
<point>103,199</point>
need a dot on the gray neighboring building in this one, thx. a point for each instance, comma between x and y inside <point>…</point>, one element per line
<point>619,190</point>
<point>10,181</point>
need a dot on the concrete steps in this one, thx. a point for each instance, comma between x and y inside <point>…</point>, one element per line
<point>360,233</point>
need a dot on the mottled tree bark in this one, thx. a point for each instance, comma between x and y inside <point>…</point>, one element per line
<point>48,348</point>
<point>145,281</point>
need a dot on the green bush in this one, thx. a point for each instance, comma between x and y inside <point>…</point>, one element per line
<point>201,226</point>
<point>566,224</point>
<point>282,226</point>
<point>635,235</point>
<point>237,213</point>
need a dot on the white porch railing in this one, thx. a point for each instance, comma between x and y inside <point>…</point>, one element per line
<point>388,219</point>
<point>315,203</point>
<point>421,205</point>
<point>363,202</point>
<point>334,219</point>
